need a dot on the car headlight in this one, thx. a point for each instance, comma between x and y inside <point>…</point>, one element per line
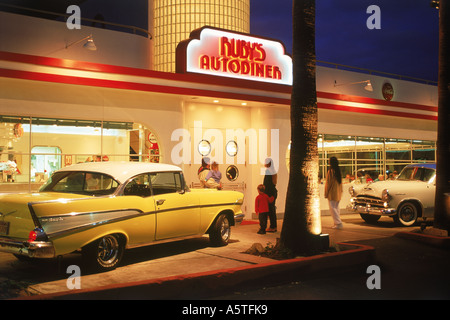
<point>352,191</point>
<point>385,195</point>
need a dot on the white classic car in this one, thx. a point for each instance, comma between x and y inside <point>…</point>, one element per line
<point>407,198</point>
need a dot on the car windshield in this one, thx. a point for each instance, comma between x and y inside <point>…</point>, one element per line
<point>88,183</point>
<point>416,173</point>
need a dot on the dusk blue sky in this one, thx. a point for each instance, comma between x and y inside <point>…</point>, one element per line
<point>407,43</point>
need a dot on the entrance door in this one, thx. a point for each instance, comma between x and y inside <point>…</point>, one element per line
<point>230,148</point>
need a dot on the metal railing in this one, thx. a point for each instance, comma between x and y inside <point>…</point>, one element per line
<point>374,72</point>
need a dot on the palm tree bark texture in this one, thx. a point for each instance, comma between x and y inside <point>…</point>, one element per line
<point>442,202</point>
<point>302,225</point>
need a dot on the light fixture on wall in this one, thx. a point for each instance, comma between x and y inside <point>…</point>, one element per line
<point>367,87</point>
<point>89,45</point>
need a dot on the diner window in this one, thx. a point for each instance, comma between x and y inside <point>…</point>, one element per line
<point>369,153</point>
<point>398,154</point>
<point>231,148</point>
<point>377,157</point>
<point>32,148</point>
<point>340,146</point>
<point>44,161</point>
<point>204,147</point>
<point>232,173</point>
<point>423,151</point>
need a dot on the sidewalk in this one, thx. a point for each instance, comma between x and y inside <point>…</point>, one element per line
<point>207,271</point>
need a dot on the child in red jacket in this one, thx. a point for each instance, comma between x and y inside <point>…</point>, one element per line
<point>262,208</point>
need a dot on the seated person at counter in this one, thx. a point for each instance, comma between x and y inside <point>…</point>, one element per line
<point>204,171</point>
<point>214,176</point>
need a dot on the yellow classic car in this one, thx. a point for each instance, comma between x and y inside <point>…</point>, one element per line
<point>102,208</point>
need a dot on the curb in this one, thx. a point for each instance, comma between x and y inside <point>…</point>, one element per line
<point>436,241</point>
<point>205,284</point>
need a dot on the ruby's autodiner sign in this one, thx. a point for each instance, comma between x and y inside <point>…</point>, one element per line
<point>224,53</point>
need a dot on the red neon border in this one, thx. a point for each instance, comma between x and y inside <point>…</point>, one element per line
<point>349,98</point>
<point>89,66</point>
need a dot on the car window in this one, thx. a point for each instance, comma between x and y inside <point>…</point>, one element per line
<point>429,173</point>
<point>138,186</point>
<point>406,174</point>
<point>165,182</point>
<point>89,183</point>
<point>424,174</point>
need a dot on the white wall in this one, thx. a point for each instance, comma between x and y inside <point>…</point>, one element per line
<point>48,38</point>
<point>404,91</point>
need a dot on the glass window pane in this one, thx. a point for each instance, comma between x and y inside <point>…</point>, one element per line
<point>343,148</point>
<point>369,155</point>
<point>423,151</point>
<point>398,155</point>
<point>81,182</point>
<point>138,186</point>
<point>31,149</point>
<point>163,182</point>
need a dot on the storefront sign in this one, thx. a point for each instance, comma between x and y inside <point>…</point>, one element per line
<point>227,54</point>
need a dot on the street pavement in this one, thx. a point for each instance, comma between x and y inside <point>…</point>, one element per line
<point>192,269</point>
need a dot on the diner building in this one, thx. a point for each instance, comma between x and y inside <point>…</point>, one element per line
<point>220,92</point>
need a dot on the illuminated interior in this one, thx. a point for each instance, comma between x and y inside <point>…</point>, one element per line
<point>31,149</point>
<point>373,155</point>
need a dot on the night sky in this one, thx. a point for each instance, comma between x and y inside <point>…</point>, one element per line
<point>407,43</point>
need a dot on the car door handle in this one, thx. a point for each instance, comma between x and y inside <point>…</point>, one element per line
<point>160,201</point>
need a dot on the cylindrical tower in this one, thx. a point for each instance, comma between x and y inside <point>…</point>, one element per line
<point>171,21</point>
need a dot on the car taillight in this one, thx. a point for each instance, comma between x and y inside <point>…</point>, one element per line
<point>37,235</point>
<point>32,236</point>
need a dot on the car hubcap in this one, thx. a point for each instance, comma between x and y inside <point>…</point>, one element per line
<point>225,229</point>
<point>108,250</point>
<point>407,214</point>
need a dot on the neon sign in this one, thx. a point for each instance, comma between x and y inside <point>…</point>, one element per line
<point>224,53</point>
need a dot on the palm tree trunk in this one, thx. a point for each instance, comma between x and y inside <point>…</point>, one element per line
<point>301,225</point>
<point>442,214</point>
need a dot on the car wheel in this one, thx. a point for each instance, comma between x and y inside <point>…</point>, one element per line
<point>105,253</point>
<point>407,214</point>
<point>370,218</point>
<point>221,231</point>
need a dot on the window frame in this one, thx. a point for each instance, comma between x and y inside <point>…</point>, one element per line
<point>179,184</point>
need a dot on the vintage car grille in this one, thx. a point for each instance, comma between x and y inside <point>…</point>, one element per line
<point>364,200</point>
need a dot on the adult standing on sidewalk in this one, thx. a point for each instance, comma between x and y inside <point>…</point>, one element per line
<point>270,184</point>
<point>333,191</point>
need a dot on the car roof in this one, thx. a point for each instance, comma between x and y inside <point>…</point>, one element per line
<point>423,165</point>
<point>121,170</point>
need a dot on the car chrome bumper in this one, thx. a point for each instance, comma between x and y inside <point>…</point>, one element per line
<point>35,249</point>
<point>239,217</point>
<point>372,210</point>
